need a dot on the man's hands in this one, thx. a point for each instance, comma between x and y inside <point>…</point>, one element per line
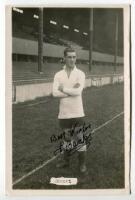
<point>60,88</point>
<point>77,85</point>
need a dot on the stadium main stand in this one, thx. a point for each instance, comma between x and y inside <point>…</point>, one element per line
<point>25,53</point>
<point>55,38</point>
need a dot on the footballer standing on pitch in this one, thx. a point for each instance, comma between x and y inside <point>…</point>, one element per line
<point>68,86</point>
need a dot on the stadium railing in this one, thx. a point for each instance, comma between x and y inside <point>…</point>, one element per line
<point>25,90</point>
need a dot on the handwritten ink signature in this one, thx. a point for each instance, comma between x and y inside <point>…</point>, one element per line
<point>74,130</point>
<point>72,145</point>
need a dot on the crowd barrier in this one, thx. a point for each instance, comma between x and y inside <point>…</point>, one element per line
<point>25,90</point>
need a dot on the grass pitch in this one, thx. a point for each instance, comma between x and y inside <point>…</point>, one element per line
<point>34,124</point>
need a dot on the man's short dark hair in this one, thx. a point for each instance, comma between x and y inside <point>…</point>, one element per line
<point>68,49</point>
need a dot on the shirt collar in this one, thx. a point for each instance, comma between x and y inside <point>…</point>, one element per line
<point>64,67</point>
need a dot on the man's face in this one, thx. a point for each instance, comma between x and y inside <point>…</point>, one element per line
<point>70,59</point>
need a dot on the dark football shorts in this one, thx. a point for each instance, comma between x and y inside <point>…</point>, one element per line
<point>69,123</point>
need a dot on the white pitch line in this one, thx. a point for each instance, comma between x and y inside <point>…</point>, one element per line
<point>101,126</point>
<point>37,103</point>
<point>54,157</point>
<point>34,170</point>
<point>34,104</point>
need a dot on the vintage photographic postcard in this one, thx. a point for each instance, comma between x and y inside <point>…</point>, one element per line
<point>68,100</point>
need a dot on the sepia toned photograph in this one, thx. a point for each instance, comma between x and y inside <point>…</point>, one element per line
<point>70,101</point>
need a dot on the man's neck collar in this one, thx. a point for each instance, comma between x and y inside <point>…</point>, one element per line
<point>66,68</point>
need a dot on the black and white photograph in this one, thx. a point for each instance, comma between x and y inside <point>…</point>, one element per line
<point>70,100</point>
